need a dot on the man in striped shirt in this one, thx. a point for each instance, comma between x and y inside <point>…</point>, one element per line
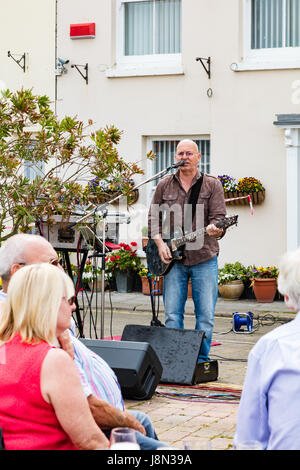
<point>99,382</point>
<point>104,395</point>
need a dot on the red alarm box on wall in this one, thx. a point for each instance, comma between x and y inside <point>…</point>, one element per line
<point>82,30</point>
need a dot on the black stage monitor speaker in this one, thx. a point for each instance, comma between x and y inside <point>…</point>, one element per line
<point>136,365</point>
<point>178,352</point>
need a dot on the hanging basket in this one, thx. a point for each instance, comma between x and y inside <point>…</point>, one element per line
<point>106,197</point>
<point>257,197</point>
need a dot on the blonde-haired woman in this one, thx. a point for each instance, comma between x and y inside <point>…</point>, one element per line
<point>42,404</point>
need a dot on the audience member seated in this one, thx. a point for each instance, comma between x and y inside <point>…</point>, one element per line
<point>99,381</point>
<point>42,404</point>
<point>269,409</point>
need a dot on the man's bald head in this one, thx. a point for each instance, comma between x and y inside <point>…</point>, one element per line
<point>188,142</point>
<point>23,249</point>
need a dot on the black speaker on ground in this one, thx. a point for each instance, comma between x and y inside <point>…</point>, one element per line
<point>178,352</point>
<point>136,365</point>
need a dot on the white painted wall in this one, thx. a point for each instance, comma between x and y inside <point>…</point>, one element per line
<point>28,26</point>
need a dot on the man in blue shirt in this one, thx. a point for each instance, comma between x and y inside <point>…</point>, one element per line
<point>269,410</point>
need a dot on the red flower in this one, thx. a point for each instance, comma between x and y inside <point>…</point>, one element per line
<point>133,243</point>
<point>118,257</point>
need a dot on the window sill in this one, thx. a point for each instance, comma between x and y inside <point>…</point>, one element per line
<point>143,70</point>
<point>255,64</point>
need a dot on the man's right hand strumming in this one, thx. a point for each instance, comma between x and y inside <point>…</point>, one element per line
<point>163,250</point>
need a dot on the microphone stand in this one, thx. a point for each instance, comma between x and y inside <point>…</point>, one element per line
<point>102,208</point>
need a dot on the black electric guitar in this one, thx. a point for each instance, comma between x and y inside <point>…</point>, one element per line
<point>176,244</point>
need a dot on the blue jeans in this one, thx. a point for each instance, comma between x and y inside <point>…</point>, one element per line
<point>150,441</point>
<point>204,278</point>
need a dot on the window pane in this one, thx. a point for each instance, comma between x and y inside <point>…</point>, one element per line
<point>266,24</point>
<point>152,27</point>
<point>167,26</point>
<point>166,149</point>
<point>139,28</point>
<point>31,170</point>
<point>292,23</point>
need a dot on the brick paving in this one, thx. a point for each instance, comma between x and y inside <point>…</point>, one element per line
<point>200,425</point>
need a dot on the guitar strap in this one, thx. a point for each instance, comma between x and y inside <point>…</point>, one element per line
<point>194,195</point>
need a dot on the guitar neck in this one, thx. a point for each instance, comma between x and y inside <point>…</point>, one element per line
<point>189,237</point>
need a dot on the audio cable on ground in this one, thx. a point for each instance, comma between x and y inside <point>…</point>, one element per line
<point>229,395</point>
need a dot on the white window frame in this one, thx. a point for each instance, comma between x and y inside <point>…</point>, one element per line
<point>140,65</point>
<point>263,59</point>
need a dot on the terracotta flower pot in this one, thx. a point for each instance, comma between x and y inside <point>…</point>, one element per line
<point>157,286</point>
<point>265,289</point>
<point>231,290</point>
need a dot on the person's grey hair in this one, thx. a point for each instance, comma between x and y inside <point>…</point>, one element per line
<point>13,251</point>
<point>289,278</point>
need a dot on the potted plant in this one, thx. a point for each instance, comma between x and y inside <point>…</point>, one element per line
<point>234,188</point>
<point>264,282</point>
<point>92,275</point>
<point>156,282</point>
<point>230,280</point>
<point>123,264</point>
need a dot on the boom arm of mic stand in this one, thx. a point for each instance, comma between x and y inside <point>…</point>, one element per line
<point>103,206</point>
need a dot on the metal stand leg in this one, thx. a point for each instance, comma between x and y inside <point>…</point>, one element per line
<point>155,321</point>
<point>102,255</point>
<point>69,269</point>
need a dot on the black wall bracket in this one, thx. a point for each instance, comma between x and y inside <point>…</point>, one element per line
<point>208,62</point>
<point>18,61</point>
<point>86,68</point>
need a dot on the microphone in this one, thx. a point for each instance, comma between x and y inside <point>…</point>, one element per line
<point>176,165</point>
